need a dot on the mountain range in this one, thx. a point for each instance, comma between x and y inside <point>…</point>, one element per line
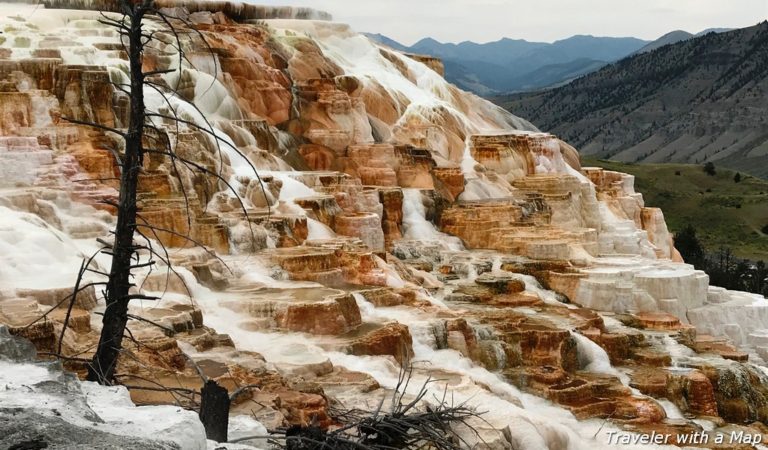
<point>517,65</point>
<point>694,100</point>
<point>510,65</point>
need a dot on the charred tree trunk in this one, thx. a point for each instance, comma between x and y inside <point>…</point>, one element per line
<point>214,411</point>
<point>124,252</point>
<point>117,294</point>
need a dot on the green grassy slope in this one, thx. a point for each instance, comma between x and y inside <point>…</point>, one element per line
<point>724,213</point>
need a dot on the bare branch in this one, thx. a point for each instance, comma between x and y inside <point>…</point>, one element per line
<point>61,302</point>
<point>237,392</point>
<point>94,125</point>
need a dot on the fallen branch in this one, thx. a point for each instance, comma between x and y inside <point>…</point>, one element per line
<point>407,425</point>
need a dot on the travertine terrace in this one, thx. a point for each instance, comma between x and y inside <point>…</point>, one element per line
<point>395,220</point>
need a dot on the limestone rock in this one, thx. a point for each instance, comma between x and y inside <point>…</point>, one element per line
<point>392,339</point>
<point>335,315</point>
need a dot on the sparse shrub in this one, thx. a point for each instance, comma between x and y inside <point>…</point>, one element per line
<point>709,169</point>
<point>737,178</point>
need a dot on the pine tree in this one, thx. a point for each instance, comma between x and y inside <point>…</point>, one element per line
<point>689,246</point>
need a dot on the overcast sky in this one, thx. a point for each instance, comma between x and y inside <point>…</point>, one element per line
<point>407,21</point>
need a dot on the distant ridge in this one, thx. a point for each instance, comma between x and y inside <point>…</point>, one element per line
<point>676,36</point>
<point>670,38</point>
<point>381,39</point>
<point>509,65</point>
<point>701,99</point>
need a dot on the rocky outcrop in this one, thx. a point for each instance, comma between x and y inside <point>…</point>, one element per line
<point>432,62</point>
<point>336,315</point>
<point>44,406</point>
<point>392,339</point>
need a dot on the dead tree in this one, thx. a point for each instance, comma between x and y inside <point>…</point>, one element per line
<point>143,135</point>
<point>214,411</point>
<point>117,294</point>
<point>133,235</point>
